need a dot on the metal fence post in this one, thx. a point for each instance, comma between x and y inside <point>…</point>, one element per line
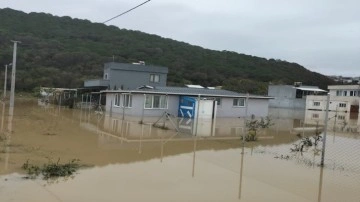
<point>325,130</point>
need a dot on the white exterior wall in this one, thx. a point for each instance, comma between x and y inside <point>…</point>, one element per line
<point>226,109</point>
<point>340,121</point>
<point>345,89</point>
<point>138,106</point>
<point>334,104</point>
<point>258,107</point>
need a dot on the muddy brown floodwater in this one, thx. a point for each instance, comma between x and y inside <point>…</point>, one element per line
<point>129,161</point>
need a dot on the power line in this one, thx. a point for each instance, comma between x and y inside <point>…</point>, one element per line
<point>126,11</point>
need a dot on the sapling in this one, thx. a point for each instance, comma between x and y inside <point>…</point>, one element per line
<point>254,125</point>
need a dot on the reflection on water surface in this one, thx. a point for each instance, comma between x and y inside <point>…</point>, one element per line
<point>138,162</point>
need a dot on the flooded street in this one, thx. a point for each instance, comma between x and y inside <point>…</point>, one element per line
<point>129,161</point>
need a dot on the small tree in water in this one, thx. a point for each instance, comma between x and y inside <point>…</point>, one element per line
<point>306,142</point>
<point>254,125</point>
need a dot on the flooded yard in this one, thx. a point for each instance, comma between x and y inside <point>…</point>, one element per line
<point>129,160</point>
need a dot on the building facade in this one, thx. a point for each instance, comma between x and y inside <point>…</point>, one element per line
<point>156,101</point>
<point>343,98</point>
<point>129,76</point>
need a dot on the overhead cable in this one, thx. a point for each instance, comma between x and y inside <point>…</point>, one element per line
<point>126,11</point>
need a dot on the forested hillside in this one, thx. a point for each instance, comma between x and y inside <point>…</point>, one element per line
<point>63,52</point>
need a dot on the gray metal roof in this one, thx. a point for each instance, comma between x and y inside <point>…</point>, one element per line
<point>187,91</point>
<point>310,89</point>
<point>136,67</point>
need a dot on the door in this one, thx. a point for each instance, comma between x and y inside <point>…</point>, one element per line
<point>187,107</point>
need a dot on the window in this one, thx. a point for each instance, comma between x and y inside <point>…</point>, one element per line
<point>341,117</point>
<point>155,78</point>
<point>299,93</point>
<point>353,93</point>
<point>338,92</point>
<point>239,102</point>
<point>106,76</point>
<point>315,116</point>
<point>117,100</point>
<point>127,101</point>
<point>155,102</point>
<point>316,104</point>
<point>342,104</point>
<point>344,93</point>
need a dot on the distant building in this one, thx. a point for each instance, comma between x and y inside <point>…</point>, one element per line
<point>291,96</point>
<point>346,80</point>
<point>129,76</point>
<point>343,98</point>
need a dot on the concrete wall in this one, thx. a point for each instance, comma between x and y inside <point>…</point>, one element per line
<point>133,79</point>
<point>285,97</point>
<point>283,91</point>
<point>283,113</point>
<point>258,107</point>
<point>130,76</point>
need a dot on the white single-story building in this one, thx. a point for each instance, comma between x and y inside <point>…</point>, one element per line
<point>183,102</point>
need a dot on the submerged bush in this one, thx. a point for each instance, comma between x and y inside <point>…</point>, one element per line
<point>307,142</point>
<point>51,170</point>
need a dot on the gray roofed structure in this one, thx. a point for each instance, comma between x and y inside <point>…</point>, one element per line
<point>128,76</point>
<point>136,67</point>
<point>187,91</point>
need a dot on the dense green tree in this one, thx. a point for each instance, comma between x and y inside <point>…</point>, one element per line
<point>246,86</point>
<point>63,52</point>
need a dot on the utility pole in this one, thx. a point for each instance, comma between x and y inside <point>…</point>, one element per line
<point>13,76</point>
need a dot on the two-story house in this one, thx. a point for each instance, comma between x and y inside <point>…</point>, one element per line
<point>129,76</point>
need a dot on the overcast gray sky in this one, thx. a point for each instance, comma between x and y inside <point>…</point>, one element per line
<point>322,35</point>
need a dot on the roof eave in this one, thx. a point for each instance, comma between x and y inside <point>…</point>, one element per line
<point>189,94</point>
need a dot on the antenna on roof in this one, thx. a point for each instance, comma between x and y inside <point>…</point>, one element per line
<point>297,84</point>
<point>139,63</point>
